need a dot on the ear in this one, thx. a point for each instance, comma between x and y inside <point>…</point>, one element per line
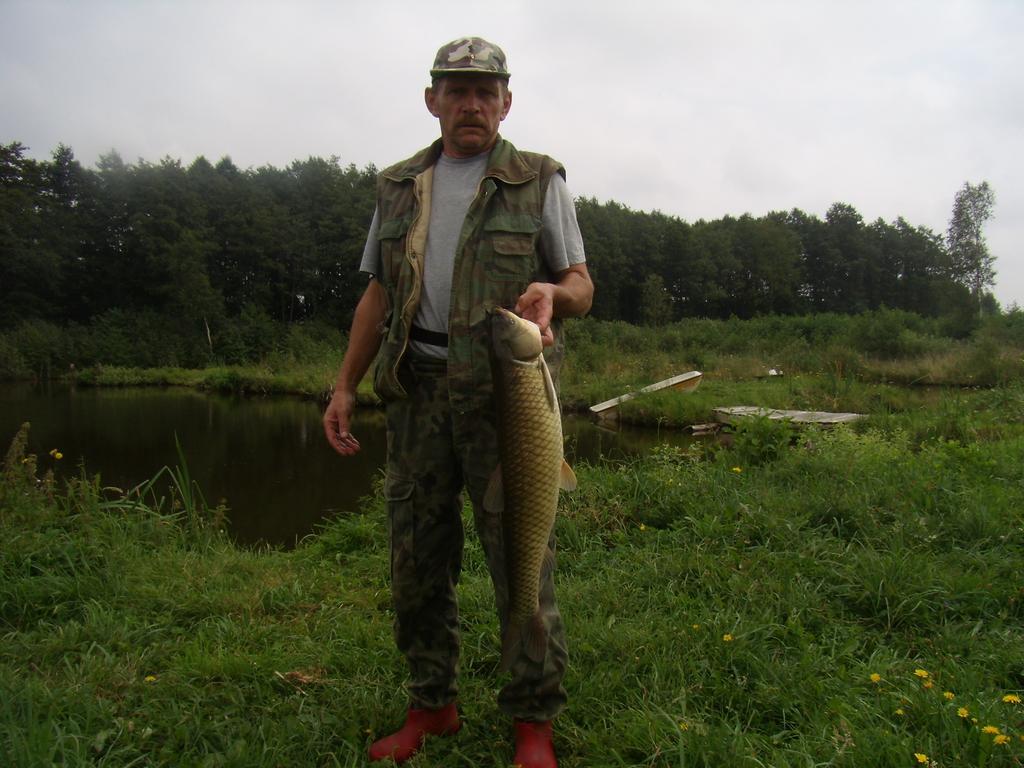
<point>507,103</point>
<point>430,99</point>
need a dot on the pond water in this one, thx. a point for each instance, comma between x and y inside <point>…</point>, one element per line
<point>265,457</point>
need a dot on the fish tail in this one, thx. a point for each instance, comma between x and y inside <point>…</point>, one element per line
<point>531,636</point>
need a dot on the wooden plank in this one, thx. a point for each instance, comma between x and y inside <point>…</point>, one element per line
<point>684,382</point>
<point>732,414</point>
<point>705,429</point>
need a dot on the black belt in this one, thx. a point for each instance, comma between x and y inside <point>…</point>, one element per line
<point>434,338</point>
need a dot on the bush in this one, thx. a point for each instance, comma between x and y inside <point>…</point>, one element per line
<point>888,334</point>
<point>12,364</point>
<point>250,337</point>
<point>304,342</point>
<point>1005,330</point>
<point>143,339</point>
<point>38,349</point>
<point>991,363</point>
<point>759,440</point>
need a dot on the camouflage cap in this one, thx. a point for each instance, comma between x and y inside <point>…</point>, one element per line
<point>470,56</point>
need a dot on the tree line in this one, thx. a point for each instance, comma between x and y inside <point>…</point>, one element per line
<point>651,268</point>
<point>216,255</point>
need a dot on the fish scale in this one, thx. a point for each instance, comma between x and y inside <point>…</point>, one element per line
<point>531,459</point>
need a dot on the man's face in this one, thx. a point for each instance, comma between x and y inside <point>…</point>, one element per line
<point>470,109</point>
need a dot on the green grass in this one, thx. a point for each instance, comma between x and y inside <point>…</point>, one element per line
<point>311,380</point>
<point>726,606</point>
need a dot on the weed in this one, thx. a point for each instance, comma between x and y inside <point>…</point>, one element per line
<point>758,440</point>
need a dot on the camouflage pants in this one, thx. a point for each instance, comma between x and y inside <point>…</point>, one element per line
<point>426,474</point>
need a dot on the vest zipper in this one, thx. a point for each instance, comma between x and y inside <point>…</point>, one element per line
<point>414,294</point>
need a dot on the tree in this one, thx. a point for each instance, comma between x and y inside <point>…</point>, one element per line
<point>655,302</point>
<point>29,268</point>
<point>850,260</point>
<point>973,265</point>
<point>65,208</point>
<point>768,278</point>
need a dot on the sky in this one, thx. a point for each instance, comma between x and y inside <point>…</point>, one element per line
<point>697,109</point>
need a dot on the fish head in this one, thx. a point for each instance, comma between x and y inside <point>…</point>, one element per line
<point>514,337</point>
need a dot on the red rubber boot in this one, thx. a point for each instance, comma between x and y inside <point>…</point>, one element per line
<point>419,723</point>
<point>534,748</point>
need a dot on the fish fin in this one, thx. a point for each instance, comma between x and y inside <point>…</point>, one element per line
<point>549,384</point>
<point>494,496</point>
<point>511,645</point>
<point>548,564</point>
<point>535,637</point>
<point>566,477</point>
<point>531,636</point>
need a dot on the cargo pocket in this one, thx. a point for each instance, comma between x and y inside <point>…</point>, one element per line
<point>509,243</point>
<point>385,379</point>
<point>398,495</point>
<point>512,258</point>
<point>391,238</point>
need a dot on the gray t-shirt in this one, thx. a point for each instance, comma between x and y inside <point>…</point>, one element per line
<point>455,184</point>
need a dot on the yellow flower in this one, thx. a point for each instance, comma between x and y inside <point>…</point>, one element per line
<point>921,757</point>
<point>683,725</point>
<point>737,470</point>
<point>990,729</point>
<point>963,712</point>
<point>1011,698</point>
<point>927,684</point>
<point>727,638</point>
<point>643,527</point>
<point>150,678</point>
<point>899,712</point>
<point>58,455</point>
<point>948,695</point>
<point>1001,739</point>
<point>922,673</point>
<point>696,626</point>
<point>875,677</point>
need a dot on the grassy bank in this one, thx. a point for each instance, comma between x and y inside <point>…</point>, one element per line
<point>827,360</point>
<point>830,363</point>
<point>306,379</point>
<point>846,599</point>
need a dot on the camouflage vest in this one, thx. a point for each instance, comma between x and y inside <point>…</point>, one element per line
<point>497,257</point>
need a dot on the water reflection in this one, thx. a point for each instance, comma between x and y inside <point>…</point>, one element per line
<point>593,442</point>
<point>265,457</point>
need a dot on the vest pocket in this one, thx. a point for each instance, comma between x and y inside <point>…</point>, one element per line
<point>385,382</point>
<point>511,256</point>
<point>508,247</point>
<point>391,238</point>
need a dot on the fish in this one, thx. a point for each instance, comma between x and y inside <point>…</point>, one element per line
<point>532,469</point>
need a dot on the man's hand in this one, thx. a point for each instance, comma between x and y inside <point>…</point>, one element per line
<point>569,296</point>
<point>363,342</point>
<point>537,304</point>
<point>337,419</point>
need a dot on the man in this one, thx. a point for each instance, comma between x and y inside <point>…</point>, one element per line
<point>466,225</point>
